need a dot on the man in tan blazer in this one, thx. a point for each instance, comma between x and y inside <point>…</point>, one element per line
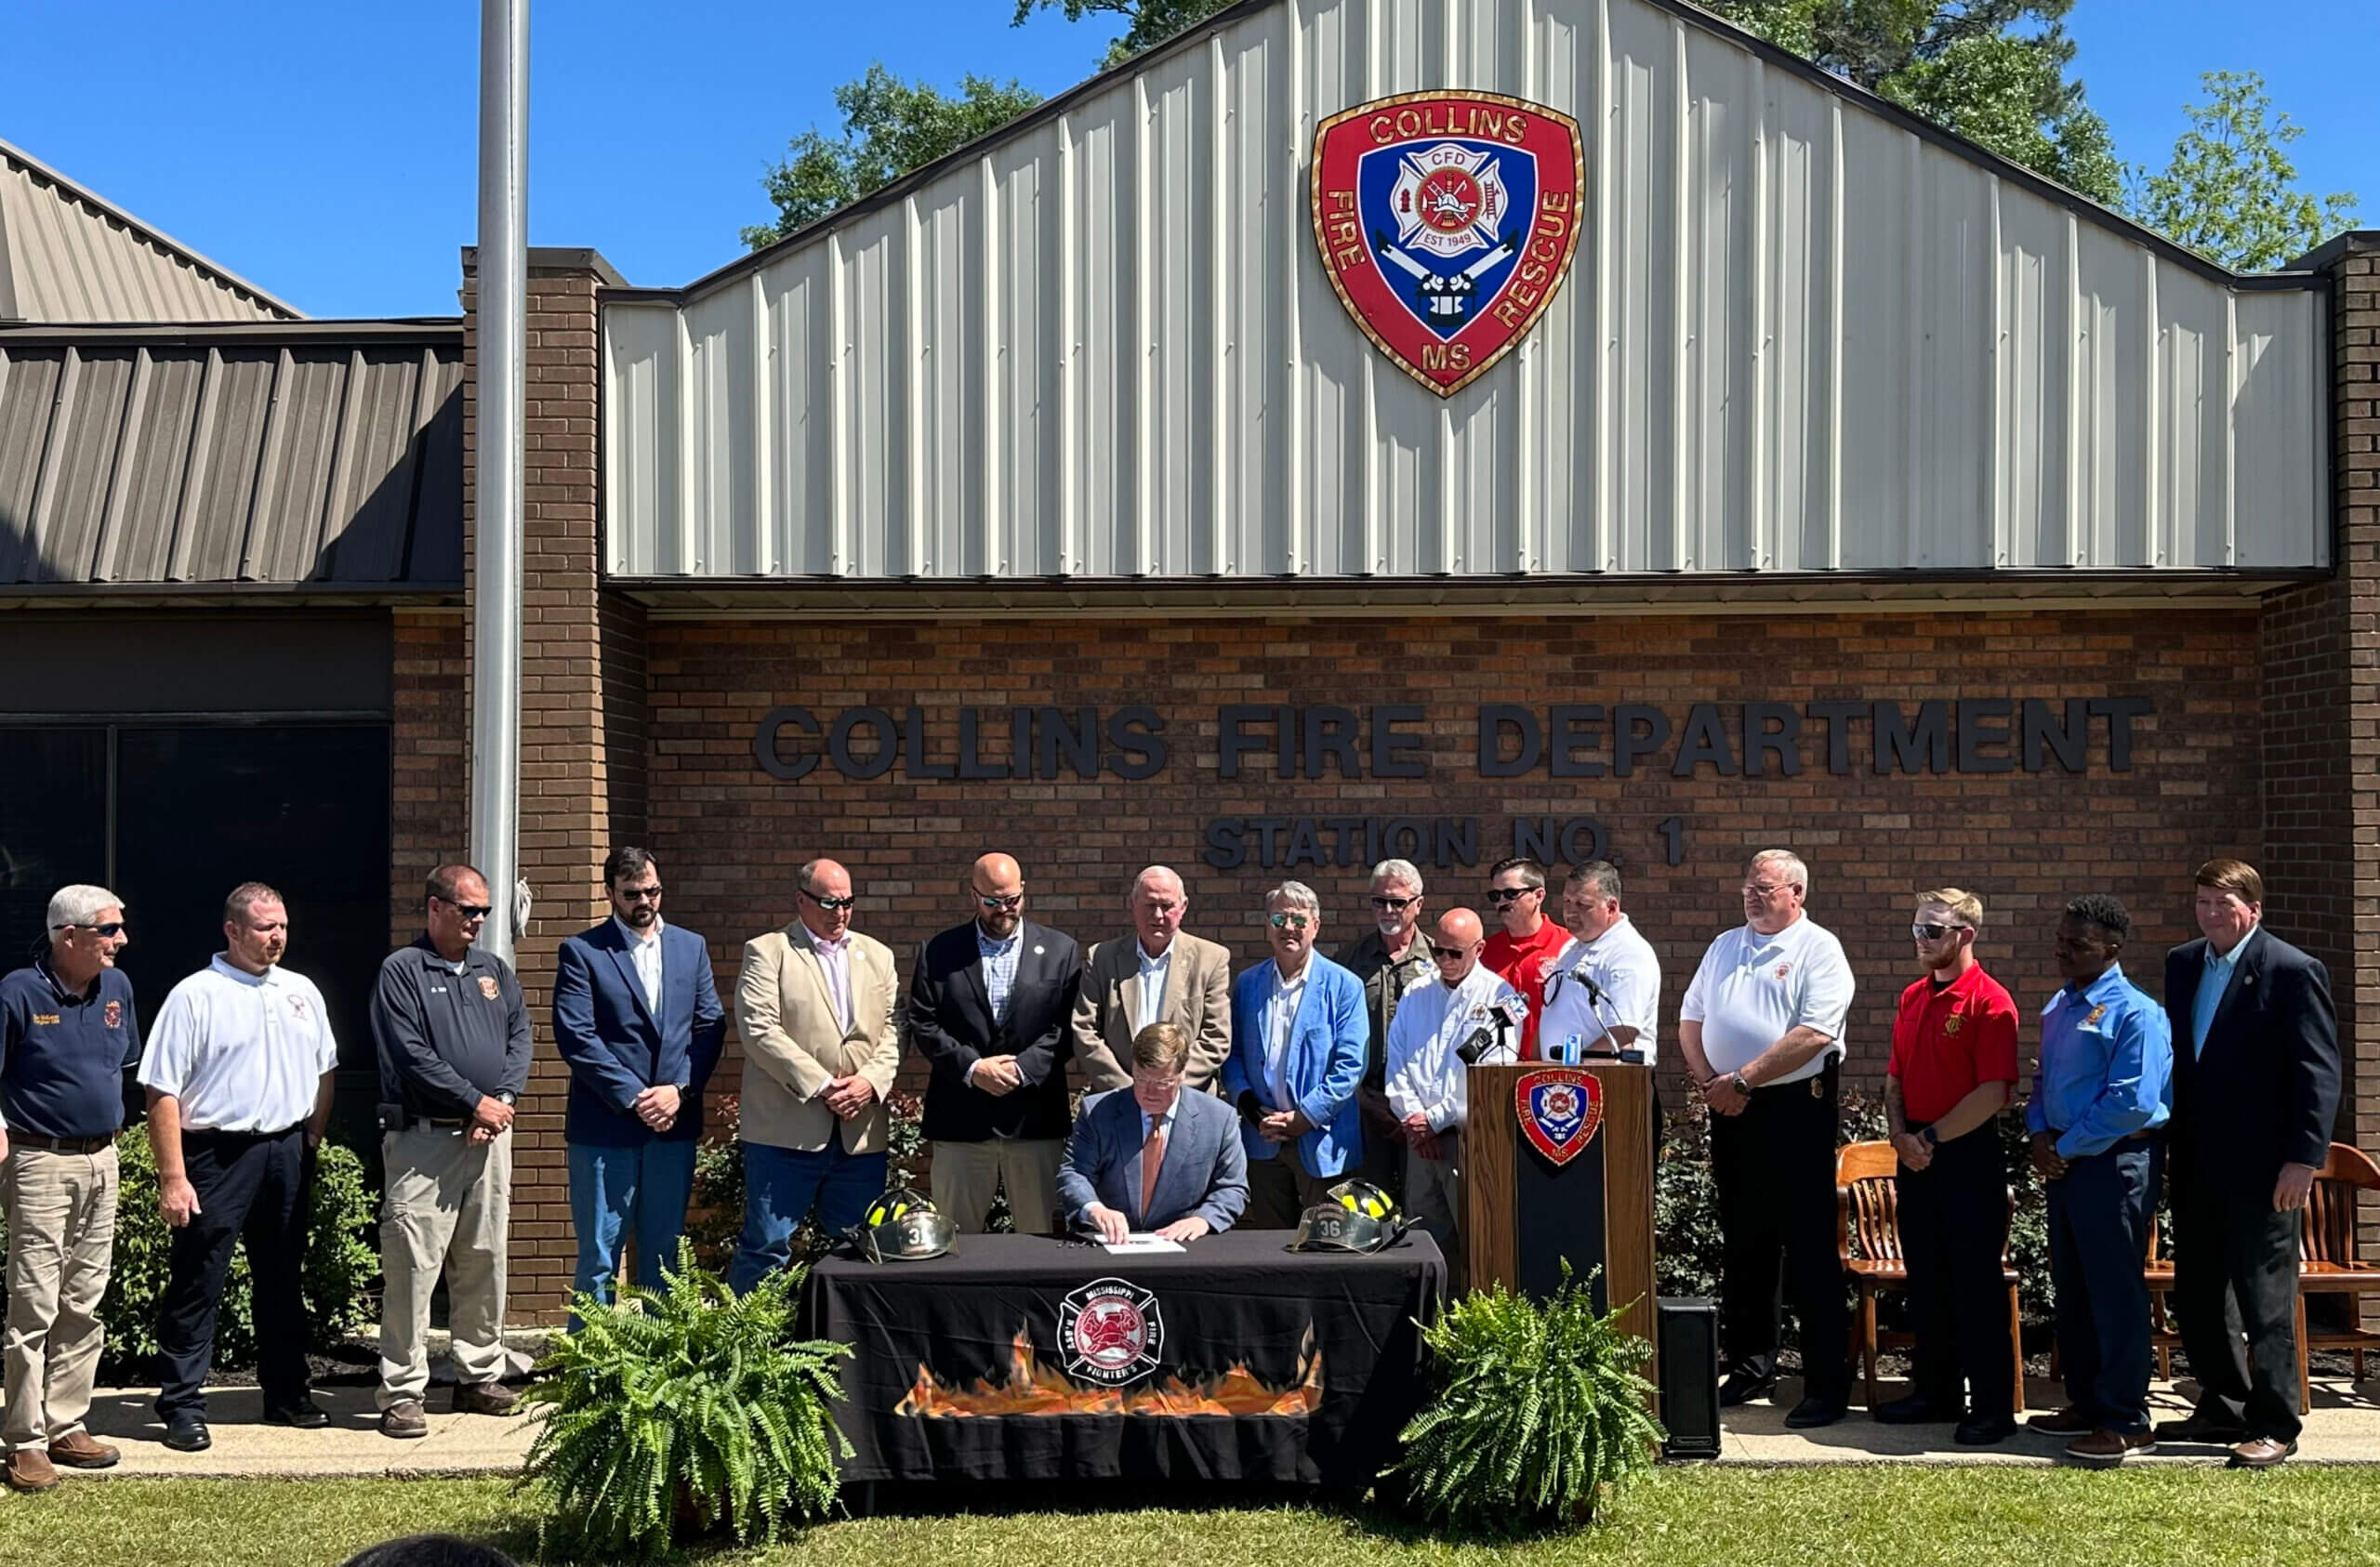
<point>813,1007</point>
<point>1164,976</point>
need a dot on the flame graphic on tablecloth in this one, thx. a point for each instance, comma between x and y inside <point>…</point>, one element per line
<point>1032,1388</point>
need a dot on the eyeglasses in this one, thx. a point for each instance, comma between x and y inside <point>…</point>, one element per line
<point>1394,906</point>
<point>831,903</point>
<point>1290,921</point>
<point>1006,901</point>
<point>1765,890</point>
<point>112,927</point>
<point>1448,955</point>
<point>1509,894</point>
<point>643,895</point>
<point>1934,932</point>
<point>1158,1085</point>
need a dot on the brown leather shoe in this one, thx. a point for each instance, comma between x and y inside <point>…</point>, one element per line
<point>80,1450</point>
<point>2104,1449</point>
<point>485,1397</point>
<point>2261,1452</point>
<point>404,1419</point>
<point>2073,1420</point>
<point>30,1469</point>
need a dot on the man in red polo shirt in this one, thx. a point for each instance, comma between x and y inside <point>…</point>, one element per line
<point>1953,1065</point>
<point>1521,952</point>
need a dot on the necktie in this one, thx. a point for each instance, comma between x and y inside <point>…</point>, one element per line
<point>1152,1157</point>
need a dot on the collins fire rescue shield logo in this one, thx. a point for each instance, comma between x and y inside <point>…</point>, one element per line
<point>1447,222</point>
<point>1560,1108</point>
<point>1110,1332</point>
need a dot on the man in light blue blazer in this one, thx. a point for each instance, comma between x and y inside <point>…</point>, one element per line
<point>1299,1042</point>
<point>1154,1159</point>
<point>637,1018</point>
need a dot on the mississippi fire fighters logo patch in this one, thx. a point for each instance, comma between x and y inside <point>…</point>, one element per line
<point>1560,1108</point>
<point>112,1014</point>
<point>1446,221</point>
<point>1109,1332</point>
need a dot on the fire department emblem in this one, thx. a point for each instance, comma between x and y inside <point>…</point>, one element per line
<point>1783,970</point>
<point>487,986</point>
<point>1110,1332</point>
<point>1952,1024</point>
<point>1561,1109</point>
<point>2097,1013</point>
<point>112,1014</point>
<point>1447,222</point>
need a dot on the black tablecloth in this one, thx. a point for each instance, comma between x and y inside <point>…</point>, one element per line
<point>1022,1357</point>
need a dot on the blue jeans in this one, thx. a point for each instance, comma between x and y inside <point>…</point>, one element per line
<point>613,1190</point>
<point>781,1185</point>
<point>2099,1214</point>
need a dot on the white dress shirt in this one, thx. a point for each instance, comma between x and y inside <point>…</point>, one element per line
<point>1425,1073</point>
<point>242,1052</point>
<point>1752,989</point>
<point>1280,1016</point>
<point>1625,968</point>
<point>645,952</point>
<point>835,963</point>
<point>1154,972</point>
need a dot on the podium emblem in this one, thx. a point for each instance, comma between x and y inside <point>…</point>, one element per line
<point>1561,1109</point>
<point>1446,221</point>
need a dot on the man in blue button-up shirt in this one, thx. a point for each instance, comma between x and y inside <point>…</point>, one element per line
<point>2101,1096</point>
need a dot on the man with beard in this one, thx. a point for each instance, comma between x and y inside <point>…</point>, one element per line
<point>1523,951</point>
<point>1391,958</point>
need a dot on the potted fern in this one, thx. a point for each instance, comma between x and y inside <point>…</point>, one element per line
<point>1540,1411</point>
<point>687,1403</point>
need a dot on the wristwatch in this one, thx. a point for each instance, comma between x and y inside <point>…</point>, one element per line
<point>1737,1080</point>
<point>1928,1138</point>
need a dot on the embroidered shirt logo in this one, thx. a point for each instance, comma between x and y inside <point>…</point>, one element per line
<point>487,986</point>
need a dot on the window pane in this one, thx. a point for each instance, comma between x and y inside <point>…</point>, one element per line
<point>53,826</point>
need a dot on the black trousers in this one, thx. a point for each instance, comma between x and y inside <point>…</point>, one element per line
<point>2235,1290</point>
<point>1774,1166</point>
<point>2099,1214</point>
<point>1953,1225</point>
<point>250,1188</point>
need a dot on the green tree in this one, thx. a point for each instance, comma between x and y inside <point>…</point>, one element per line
<point>1150,22</point>
<point>1992,70</point>
<point>889,127</point>
<point>2230,192</point>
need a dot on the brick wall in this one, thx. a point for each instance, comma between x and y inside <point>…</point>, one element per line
<point>730,835</point>
<point>428,748</point>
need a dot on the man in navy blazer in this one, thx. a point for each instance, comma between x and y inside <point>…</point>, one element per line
<point>1300,1041</point>
<point>1154,1159</point>
<point>637,1018</point>
<point>2255,1092</point>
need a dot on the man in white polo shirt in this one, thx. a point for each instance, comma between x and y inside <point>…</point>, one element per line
<point>1762,1032</point>
<point>1607,981</point>
<point>239,1078</point>
<point>1426,1074</point>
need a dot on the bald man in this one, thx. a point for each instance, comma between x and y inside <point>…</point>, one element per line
<point>990,1005</point>
<point>1161,975</point>
<point>1426,1071</point>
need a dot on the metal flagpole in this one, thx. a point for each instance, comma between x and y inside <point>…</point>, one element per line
<point>503,288</point>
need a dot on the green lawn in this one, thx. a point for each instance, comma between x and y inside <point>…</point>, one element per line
<point>1680,1517</point>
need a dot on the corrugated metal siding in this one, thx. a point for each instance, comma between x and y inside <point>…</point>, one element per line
<point>308,461</point>
<point>1798,338</point>
<point>68,255</point>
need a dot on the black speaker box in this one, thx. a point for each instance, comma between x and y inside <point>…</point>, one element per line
<point>1689,1354</point>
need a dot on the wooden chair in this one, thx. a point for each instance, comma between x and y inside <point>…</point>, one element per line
<point>2329,1262</point>
<point>1867,1242</point>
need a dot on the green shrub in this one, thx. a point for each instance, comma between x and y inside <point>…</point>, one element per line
<point>686,1400</point>
<point>342,1272</point>
<point>717,1218</point>
<point>1539,1411</point>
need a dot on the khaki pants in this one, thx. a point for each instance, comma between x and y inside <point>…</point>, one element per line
<point>449,1202</point>
<point>60,1210</point>
<point>965,1174</point>
<point>1433,1202</point>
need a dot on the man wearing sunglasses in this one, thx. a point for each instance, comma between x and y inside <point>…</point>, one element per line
<point>1524,950</point>
<point>453,1045</point>
<point>991,1005</point>
<point>637,1017</point>
<point>1390,958</point>
<point>814,1008</point>
<point>1297,1047</point>
<point>1427,1076</point>
<point>69,1043</point>
<point>1953,1066</point>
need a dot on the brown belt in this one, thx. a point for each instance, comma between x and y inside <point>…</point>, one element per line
<point>60,1145</point>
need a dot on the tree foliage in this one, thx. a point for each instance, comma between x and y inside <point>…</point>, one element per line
<point>2230,190</point>
<point>1992,70</point>
<point>1149,22</point>
<point>889,127</point>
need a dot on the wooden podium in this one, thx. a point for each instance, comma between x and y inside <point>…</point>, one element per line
<point>1527,1207</point>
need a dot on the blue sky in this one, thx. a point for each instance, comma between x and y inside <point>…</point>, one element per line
<point>327,152</point>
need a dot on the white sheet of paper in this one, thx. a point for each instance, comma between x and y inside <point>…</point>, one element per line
<point>1140,1241</point>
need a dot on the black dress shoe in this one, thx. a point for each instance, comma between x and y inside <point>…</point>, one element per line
<point>186,1432</point>
<point>1742,1387</point>
<point>1816,1410</point>
<point>1914,1410</point>
<point>2199,1426</point>
<point>1984,1430</point>
<point>305,1415</point>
